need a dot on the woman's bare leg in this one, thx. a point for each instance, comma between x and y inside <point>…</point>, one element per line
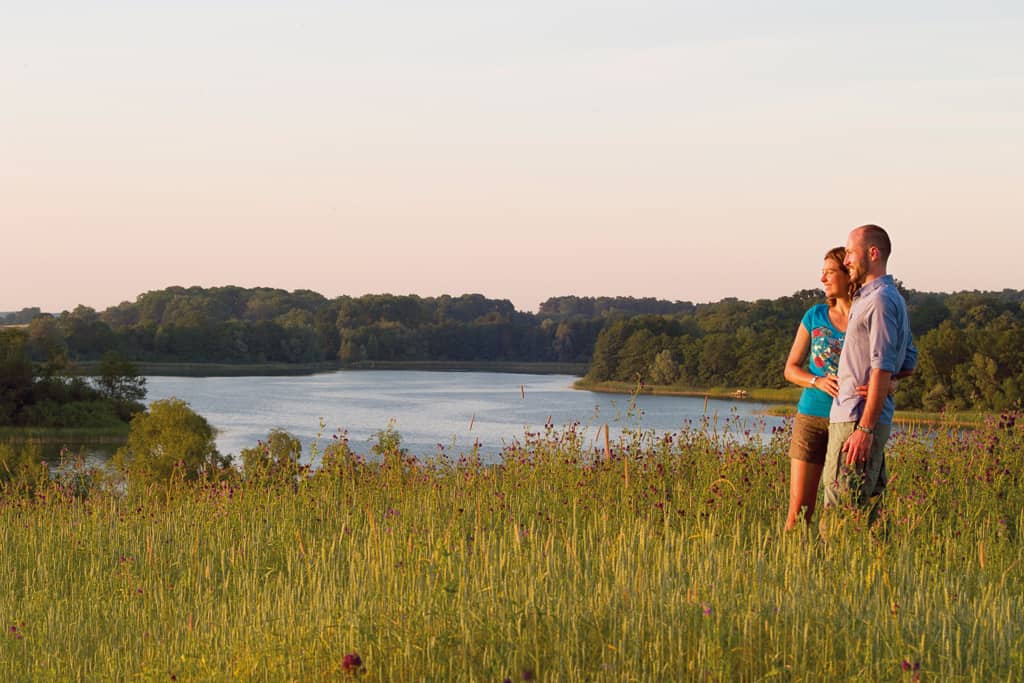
<point>804,478</point>
<point>811,481</point>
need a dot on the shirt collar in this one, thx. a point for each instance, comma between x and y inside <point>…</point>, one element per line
<point>873,285</point>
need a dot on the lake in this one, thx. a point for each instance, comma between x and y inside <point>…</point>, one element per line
<point>430,409</point>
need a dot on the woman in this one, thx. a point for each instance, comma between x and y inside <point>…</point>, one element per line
<point>813,363</point>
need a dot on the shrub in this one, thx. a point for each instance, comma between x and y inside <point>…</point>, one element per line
<point>276,458</point>
<point>169,438</point>
<point>22,468</point>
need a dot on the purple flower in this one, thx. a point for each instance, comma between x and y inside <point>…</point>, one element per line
<point>352,662</point>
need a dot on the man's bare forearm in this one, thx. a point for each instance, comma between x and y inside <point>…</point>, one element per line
<point>878,389</point>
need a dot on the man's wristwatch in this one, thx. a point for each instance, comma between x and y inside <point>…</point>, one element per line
<point>866,430</point>
<point>814,380</point>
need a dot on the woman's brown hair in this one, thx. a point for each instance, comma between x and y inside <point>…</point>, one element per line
<point>838,254</point>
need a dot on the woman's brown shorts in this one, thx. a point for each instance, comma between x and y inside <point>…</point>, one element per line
<point>810,439</point>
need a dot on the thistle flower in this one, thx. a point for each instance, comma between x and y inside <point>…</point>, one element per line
<point>352,663</point>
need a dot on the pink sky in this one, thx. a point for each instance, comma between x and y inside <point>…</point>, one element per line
<point>520,153</point>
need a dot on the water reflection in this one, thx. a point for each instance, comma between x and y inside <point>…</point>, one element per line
<point>453,411</point>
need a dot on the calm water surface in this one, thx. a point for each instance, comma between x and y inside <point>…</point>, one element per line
<point>451,409</point>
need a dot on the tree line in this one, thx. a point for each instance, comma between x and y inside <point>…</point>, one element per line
<point>970,343</point>
<point>259,325</point>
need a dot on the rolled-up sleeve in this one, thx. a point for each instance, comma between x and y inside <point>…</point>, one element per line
<point>884,323</point>
<point>910,361</point>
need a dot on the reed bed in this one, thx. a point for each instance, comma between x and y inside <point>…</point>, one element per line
<point>664,561</point>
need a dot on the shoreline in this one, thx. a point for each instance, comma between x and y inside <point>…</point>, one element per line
<point>783,401</point>
<point>169,369</point>
<point>81,436</point>
<point>780,396</point>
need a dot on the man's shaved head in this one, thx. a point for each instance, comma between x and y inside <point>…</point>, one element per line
<point>876,236</point>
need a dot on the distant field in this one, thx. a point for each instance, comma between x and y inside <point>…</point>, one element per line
<point>785,395</point>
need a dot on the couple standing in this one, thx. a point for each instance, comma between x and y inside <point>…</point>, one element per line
<point>846,409</point>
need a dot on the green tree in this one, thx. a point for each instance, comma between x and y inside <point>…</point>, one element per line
<point>119,382</point>
<point>664,369</point>
<point>604,363</point>
<point>15,374</point>
<point>168,437</point>
<point>119,378</point>
<point>47,346</point>
<point>563,342</point>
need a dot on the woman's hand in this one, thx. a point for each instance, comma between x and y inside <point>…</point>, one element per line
<point>830,385</point>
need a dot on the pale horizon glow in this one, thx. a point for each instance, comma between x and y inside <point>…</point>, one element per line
<point>684,151</point>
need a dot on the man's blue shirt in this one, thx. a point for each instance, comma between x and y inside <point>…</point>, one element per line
<point>877,337</point>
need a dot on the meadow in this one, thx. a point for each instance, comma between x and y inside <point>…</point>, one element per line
<point>663,559</point>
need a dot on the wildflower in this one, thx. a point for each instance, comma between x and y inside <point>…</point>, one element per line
<point>352,662</point>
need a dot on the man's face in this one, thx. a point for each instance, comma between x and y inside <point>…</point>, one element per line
<point>857,260</point>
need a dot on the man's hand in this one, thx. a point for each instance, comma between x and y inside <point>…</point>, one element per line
<point>862,390</point>
<point>858,448</point>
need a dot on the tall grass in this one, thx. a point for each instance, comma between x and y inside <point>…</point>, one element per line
<point>665,562</point>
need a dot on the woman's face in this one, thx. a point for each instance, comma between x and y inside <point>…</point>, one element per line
<point>834,280</point>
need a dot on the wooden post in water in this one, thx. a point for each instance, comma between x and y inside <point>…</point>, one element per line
<point>705,404</point>
<point>607,448</point>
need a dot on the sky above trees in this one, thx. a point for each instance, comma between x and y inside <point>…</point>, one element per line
<point>686,151</point>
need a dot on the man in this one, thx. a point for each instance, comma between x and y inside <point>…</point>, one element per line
<point>878,348</point>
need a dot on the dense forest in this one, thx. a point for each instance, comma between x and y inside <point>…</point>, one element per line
<point>259,325</point>
<point>971,343</point>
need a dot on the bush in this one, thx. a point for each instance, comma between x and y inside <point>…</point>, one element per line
<point>276,458</point>
<point>168,439</point>
<point>22,468</point>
